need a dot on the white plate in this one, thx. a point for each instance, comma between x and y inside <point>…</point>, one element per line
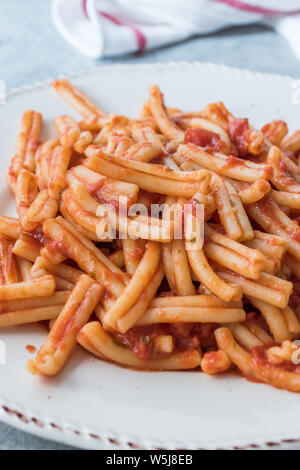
<point>93,404</point>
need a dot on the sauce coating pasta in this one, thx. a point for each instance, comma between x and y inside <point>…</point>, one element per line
<point>170,241</point>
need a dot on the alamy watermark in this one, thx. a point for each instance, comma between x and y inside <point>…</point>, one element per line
<point>160,222</point>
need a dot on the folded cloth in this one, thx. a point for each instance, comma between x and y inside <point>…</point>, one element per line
<point>101,28</point>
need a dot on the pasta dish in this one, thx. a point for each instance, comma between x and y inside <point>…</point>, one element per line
<point>170,241</point>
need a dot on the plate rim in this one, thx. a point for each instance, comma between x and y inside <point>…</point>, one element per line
<point>74,433</point>
<point>121,66</point>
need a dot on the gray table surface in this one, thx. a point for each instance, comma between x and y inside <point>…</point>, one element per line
<point>31,49</point>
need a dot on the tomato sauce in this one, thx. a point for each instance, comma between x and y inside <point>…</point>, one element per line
<point>10,258</point>
<point>38,239</point>
<point>140,339</point>
<point>205,332</point>
<point>266,208</point>
<point>56,246</point>
<point>100,191</point>
<point>232,161</point>
<point>76,159</point>
<point>238,131</point>
<point>259,355</point>
<point>294,301</point>
<point>96,190</point>
<point>285,179</point>
<point>148,198</point>
<point>258,318</point>
<point>37,236</point>
<point>2,281</point>
<point>207,139</point>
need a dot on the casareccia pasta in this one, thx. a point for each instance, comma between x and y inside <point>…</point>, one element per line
<point>169,241</point>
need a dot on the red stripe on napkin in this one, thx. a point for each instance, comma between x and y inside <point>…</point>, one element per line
<point>141,38</point>
<point>84,7</point>
<point>243,6</point>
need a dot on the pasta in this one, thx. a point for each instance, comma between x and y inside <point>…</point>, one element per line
<point>165,242</point>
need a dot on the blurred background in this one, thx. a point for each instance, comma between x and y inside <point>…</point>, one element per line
<point>31,49</point>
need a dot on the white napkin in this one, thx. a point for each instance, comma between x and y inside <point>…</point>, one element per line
<point>101,28</point>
